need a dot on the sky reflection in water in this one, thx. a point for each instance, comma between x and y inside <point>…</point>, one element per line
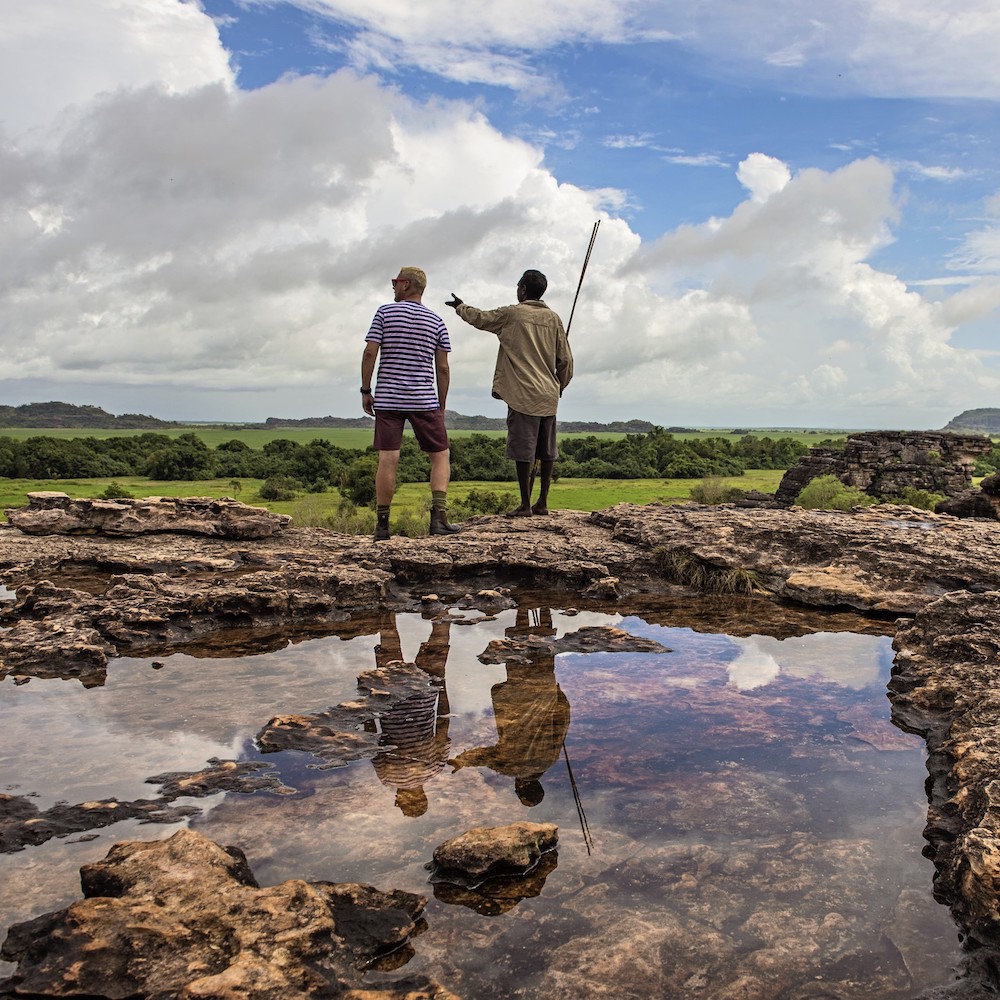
<point>754,815</point>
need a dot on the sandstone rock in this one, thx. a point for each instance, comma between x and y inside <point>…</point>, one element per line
<point>53,513</point>
<point>185,917</point>
<point>884,463</point>
<point>593,639</point>
<point>488,852</point>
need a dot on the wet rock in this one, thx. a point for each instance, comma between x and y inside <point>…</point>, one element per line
<point>345,732</point>
<point>494,896</point>
<point>489,852</point>
<point>592,639</point>
<point>946,687</point>
<point>53,513</point>
<point>22,824</point>
<point>244,776</point>
<point>185,917</point>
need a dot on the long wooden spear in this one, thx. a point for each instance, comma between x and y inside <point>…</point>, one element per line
<point>579,285</point>
<point>536,465</point>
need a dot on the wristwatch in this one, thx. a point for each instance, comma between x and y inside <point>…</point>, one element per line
<point>366,391</point>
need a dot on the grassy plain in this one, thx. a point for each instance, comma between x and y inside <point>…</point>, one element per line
<point>361,437</point>
<point>566,494</point>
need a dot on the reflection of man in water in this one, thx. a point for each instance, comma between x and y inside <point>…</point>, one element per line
<point>415,729</point>
<point>531,714</point>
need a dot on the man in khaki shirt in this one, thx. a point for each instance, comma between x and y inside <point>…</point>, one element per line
<point>534,366</point>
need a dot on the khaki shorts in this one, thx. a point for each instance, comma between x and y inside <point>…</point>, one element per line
<point>428,429</point>
<point>530,438</point>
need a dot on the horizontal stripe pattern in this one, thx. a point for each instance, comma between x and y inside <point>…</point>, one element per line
<point>408,334</point>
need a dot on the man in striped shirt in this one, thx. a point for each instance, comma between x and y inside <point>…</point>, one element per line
<point>411,345</point>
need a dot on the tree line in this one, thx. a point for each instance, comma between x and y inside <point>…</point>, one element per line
<point>320,465</point>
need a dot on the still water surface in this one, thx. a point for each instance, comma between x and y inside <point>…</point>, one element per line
<point>737,816</point>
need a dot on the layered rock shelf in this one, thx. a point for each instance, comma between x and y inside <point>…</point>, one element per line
<point>885,463</point>
<point>87,597</point>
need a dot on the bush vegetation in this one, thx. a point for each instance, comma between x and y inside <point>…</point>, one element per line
<point>829,493</point>
<point>319,465</point>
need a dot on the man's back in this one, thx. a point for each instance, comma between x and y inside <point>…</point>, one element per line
<point>409,335</point>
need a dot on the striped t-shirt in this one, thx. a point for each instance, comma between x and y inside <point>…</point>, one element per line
<point>408,335</point>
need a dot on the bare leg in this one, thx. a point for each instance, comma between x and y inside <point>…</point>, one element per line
<point>524,483</point>
<point>542,504</point>
<point>385,477</point>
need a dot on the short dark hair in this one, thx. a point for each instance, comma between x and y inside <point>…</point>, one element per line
<point>534,283</point>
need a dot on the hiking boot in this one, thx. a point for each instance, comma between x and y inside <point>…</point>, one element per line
<point>381,530</point>
<point>440,525</point>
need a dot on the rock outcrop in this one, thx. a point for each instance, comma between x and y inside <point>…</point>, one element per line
<point>53,513</point>
<point>83,599</point>
<point>184,917</point>
<point>884,463</point>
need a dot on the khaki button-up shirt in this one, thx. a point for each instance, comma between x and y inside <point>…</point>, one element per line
<point>534,363</point>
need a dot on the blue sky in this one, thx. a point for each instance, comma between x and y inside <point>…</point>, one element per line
<point>799,202</point>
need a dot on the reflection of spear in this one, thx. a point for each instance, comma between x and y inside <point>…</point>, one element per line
<point>584,825</point>
<point>579,285</point>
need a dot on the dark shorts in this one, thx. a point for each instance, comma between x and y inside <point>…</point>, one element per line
<point>428,429</point>
<point>530,437</point>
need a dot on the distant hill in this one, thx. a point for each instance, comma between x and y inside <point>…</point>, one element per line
<point>460,422</point>
<point>982,421</point>
<point>48,415</point>
<point>69,415</point>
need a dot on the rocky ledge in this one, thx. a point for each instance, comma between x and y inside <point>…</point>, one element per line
<point>82,599</point>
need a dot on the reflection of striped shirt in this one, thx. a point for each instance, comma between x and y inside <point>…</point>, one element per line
<point>416,748</point>
<point>408,335</point>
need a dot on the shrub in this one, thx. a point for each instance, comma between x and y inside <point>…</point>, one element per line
<point>714,491</point>
<point>924,499</point>
<point>279,488</point>
<point>481,502</point>
<point>829,493</point>
<point>349,519</point>
<point>115,491</point>
<point>358,481</point>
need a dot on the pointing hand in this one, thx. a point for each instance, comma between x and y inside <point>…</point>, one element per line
<point>454,302</point>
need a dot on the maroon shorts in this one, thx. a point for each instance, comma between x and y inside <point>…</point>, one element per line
<point>428,429</point>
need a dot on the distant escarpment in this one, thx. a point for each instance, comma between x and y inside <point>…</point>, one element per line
<point>985,420</point>
<point>56,414</point>
<point>461,422</point>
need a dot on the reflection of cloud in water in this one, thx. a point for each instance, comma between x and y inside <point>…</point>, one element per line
<point>844,658</point>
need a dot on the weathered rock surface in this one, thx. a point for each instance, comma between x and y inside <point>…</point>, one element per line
<point>54,513</point>
<point>84,599</point>
<point>488,852</point>
<point>22,824</point>
<point>885,463</point>
<point>184,917</point>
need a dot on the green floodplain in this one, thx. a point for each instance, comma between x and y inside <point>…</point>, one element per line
<point>361,437</point>
<point>314,508</point>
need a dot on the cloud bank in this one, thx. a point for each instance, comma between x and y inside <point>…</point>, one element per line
<point>167,233</point>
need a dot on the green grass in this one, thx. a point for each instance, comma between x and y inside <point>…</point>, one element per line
<point>566,494</point>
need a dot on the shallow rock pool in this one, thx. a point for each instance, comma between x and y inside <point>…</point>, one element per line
<point>737,815</point>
